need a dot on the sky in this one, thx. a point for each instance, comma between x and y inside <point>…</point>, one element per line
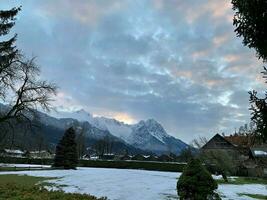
<point>178,62</point>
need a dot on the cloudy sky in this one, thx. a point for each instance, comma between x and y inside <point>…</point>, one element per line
<point>176,61</point>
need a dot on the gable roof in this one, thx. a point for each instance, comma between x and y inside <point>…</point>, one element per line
<point>239,140</point>
<point>218,142</point>
<point>259,152</point>
<point>13,151</point>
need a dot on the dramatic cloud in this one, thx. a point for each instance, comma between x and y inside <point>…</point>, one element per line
<point>176,61</point>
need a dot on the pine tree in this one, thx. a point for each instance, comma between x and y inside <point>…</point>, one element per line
<point>196,183</point>
<point>8,51</point>
<point>66,151</point>
<point>250,20</point>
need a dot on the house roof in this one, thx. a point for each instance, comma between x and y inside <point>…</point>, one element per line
<point>15,151</point>
<point>259,152</point>
<point>239,140</point>
<point>37,152</point>
<point>213,143</point>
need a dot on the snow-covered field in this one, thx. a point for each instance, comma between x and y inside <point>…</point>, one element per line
<point>124,184</point>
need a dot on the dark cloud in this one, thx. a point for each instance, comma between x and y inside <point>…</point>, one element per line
<point>176,61</point>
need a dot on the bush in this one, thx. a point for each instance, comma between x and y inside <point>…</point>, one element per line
<point>220,162</point>
<point>196,183</point>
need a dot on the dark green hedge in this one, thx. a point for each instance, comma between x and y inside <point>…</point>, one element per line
<point>26,161</point>
<point>157,166</point>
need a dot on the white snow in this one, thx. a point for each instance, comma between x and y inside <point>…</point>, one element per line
<point>230,192</point>
<point>259,153</point>
<point>15,151</point>
<point>80,115</point>
<point>156,130</point>
<point>116,128</point>
<point>124,184</point>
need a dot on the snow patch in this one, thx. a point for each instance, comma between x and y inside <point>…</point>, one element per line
<point>260,153</point>
<point>124,184</point>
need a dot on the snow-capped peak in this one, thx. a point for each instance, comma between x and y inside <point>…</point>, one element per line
<point>146,135</point>
<point>154,128</point>
<point>80,115</point>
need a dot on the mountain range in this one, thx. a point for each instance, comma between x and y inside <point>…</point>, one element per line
<point>144,137</point>
<point>148,135</point>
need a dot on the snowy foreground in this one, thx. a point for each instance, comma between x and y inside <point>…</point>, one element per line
<point>124,184</point>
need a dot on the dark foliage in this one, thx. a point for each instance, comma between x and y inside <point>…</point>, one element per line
<point>250,21</point>
<point>259,116</point>
<point>196,183</point>
<point>66,151</point>
<point>186,155</point>
<point>8,51</point>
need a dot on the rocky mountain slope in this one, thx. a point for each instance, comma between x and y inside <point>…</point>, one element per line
<point>147,135</point>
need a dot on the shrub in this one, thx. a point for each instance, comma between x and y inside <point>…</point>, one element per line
<point>196,183</point>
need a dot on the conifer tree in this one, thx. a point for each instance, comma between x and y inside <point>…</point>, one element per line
<point>8,51</point>
<point>9,54</point>
<point>66,151</point>
<point>250,21</point>
<point>196,183</point>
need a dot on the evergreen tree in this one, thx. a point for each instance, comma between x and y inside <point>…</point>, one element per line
<point>8,51</point>
<point>259,117</point>
<point>66,151</point>
<point>250,21</point>
<point>196,183</point>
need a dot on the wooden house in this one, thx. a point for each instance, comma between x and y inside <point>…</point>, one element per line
<point>40,154</point>
<point>218,142</point>
<point>12,153</point>
<point>256,165</point>
<point>249,161</point>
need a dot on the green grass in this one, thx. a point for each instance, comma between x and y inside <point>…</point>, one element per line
<point>255,196</point>
<point>21,180</point>
<point>243,180</point>
<point>16,187</point>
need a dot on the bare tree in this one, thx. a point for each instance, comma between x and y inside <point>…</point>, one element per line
<point>104,146</point>
<point>81,143</point>
<point>200,142</point>
<point>26,94</point>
